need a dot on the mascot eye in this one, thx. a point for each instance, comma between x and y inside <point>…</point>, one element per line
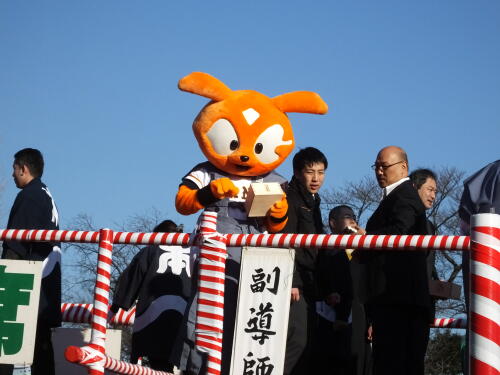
<point>267,142</point>
<point>223,137</point>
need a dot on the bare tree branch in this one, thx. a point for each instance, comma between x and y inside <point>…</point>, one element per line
<point>82,257</point>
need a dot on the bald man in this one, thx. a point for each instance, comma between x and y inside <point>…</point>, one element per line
<point>397,300</point>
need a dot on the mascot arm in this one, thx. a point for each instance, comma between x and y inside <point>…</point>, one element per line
<point>190,199</point>
<point>223,188</point>
<point>277,217</point>
<point>186,201</point>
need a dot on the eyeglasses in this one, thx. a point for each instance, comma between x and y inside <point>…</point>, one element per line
<point>384,167</point>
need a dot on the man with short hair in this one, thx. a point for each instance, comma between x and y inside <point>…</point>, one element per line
<point>397,291</point>
<point>304,216</point>
<point>424,180</point>
<point>34,208</point>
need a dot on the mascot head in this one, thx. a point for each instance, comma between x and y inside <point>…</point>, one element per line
<point>244,132</point>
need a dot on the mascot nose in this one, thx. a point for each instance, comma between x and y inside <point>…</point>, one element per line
<point>244,158</point>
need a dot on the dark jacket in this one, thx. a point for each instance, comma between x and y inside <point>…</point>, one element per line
<point>334,276</point>
<point>304,216</point>
<point>158,278</point>
<point>431,270</point>
<point>34,208</point>
<point>397,277</point>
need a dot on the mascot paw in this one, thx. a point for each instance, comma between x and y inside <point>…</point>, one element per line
<point>223,188</point>
<point>279,209</point>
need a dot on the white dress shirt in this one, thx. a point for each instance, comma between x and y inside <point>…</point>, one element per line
<point>388,189</point>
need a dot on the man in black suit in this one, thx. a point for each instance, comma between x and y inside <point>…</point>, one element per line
<point>425,181</point>
<point>397,292</point>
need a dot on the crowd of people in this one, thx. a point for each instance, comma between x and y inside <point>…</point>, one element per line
<point>360,312</point>
<point>351,311</point>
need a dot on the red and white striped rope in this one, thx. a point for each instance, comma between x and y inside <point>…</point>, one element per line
<point>87,355</point>
<point>339,241</point>
<point>210,306</point>
<point>449,323</point>
<point>139,238</point>
<point>484,314</point>
<point>76,312</point>
<point>327,241</point>
<point>123,317</point>
<point>82,313</point>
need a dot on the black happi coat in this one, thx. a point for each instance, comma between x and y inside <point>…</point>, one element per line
<point>304,216</point>
<point>34,208</point>
<point>159,279</point>
<point>398,277</point>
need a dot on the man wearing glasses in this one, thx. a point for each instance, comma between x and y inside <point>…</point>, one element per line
<point>397,293</point>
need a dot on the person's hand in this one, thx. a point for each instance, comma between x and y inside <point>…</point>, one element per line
<point>223,188</point>
<point>369,333</point>
<point>333,299</point>
<point>295,295</point>
<point>279,209</point>
<point>358,229</point>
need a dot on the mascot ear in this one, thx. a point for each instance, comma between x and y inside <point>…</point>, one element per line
<point>302,102</point>
<point>205,85</point>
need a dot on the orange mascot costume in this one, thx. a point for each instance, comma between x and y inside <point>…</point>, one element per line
<point>245,135</point>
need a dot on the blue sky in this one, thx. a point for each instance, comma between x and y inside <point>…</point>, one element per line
<point>94,86</point>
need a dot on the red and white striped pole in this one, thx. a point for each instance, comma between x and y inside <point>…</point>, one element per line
<point>210,308</point>
<point>82,313</point>
<point>94,353</point>
<point>82,356</point>
<point>484,310</point>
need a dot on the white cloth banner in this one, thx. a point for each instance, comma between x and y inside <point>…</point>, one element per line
<point>263,308</point>
<point>19,297</point>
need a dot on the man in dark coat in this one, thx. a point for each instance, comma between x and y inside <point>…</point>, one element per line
<point>158,278</point>
<point>425,181</point>
<point>341,343</point>
<point>34,208</point>
<point>304,216</point>
<point>397,291</point>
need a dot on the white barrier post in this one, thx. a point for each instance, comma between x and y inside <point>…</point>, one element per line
<point>484,311</point>
<point>210,308</point>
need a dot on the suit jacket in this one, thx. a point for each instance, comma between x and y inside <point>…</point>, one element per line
<point>304,216</point>
<point>397,277</point>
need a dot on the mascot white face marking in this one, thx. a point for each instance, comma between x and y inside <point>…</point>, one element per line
<point>251,115</point>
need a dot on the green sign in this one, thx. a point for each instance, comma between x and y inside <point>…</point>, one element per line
<point>19,294</point>
<point>15,290</point>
